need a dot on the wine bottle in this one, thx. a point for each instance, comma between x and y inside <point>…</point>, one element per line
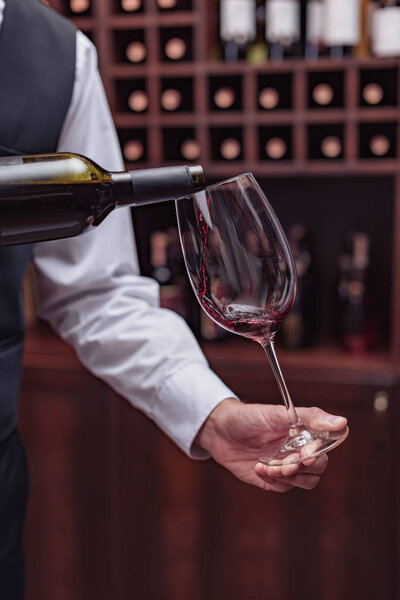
<point>79,6</point>
<point>258,51</point>
<point>55,196</point>
<point>133,150</point>
<point>357,324</point>
<point>299,327</point>
<point>314,45</point>
<point>138,101</point>
<point>385,36</point>
<point>283,28</point>
<point>237,28</point>
<point>341,27</point>
<point>171,99</point>
<point>131,5</point>
<point>168,271</point>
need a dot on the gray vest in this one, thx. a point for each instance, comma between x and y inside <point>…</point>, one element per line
<point>37,68</point>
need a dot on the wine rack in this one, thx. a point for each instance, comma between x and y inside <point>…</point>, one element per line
<point>173,101</point>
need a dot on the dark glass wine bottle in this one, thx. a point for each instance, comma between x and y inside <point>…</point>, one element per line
<point>54,196</point>
<point>299,327</point>
<point>283,28</point>
<point>385,42</point>
<point>357,323</point>
<point>237,28</point>
<point>342,29</point>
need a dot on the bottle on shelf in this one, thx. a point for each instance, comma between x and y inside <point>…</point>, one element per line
<point>180,144</point>
<point>341,27</point>
<point>136,52</point>
<point>230,148</point>
<point>299,328</point>
<point>378,87</point>
<point>133,150</point>
<point>171,99</point>
<point>61,195</point>
<point>169,271</point>
<point>325,141</point>
<point>237,28</point>
<point>258,51</point>
<point>131,6</point>
<point>275,91</point>
<point>176,44</point>
<point>79,7</point>
<point>172,5</point>
<point>385,36</point>
<point>283,28</point>
<point>378,140</point>
<point>314,46</point>
<point>225,93</point>
<point>138,101</point>
<point>357,325</point>
<point>325,89</point>
<point>275,142</point>
<point>176,94</point>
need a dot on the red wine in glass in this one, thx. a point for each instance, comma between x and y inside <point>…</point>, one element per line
<point>242,272</point>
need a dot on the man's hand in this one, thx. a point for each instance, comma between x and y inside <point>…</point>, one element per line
<point>234,434</point>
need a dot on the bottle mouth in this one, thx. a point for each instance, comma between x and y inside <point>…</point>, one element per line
<point>197,175</point>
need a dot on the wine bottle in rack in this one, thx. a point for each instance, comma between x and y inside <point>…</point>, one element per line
<point>378,140</point>
<point>378,87</point>
<point>283,28</point>
<point>298,329</point>
<point>225,93</point>
<point>357,324</point>
<point>258,52</point>
<point>180,144</point>
<point>275,143</point>
<point>130,46</point>
<point>314,46</point>
<point>341,27</point>
<point>168,271</point>
<point>133,150</point>
<point>325,141</point>
<point>173,5</point>
<point>226,143</point>
<point>385,36</point>
<point>131,6</point>
<point>326,89</point>
<point>275,91</point>
<point>176,94</point>
<point>237,28</point>
<point>133,143</point>
<point>79,7</point>
<point>176,44</point>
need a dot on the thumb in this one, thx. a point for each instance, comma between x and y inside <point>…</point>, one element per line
<point>318,419</point>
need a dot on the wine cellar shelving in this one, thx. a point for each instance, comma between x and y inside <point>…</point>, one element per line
<point>173,101</point>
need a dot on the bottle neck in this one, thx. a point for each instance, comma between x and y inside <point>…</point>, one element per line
<point>147,186</point>
<point>122,188</point>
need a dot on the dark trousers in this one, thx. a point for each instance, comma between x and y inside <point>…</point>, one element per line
<point>13,498</point>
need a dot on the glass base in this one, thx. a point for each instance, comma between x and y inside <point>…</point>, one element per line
<point>302,445</point>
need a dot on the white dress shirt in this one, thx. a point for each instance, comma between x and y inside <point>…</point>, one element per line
<point>92,294</point>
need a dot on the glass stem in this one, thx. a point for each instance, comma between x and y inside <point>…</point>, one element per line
<point>269,349</point>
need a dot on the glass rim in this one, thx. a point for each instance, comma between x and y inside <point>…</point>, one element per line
<point>224,181</point>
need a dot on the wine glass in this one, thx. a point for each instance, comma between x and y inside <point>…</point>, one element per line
<point>242,272</point>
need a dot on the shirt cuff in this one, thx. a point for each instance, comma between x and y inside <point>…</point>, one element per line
<point>185,401</point>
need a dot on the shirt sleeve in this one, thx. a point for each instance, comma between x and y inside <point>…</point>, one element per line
<point>91,292</point>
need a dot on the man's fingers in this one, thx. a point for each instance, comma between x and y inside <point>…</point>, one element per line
<point>318,419</point>
<point>284,477</point>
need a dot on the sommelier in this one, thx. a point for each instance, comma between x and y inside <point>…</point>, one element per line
<point>91,291</point>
